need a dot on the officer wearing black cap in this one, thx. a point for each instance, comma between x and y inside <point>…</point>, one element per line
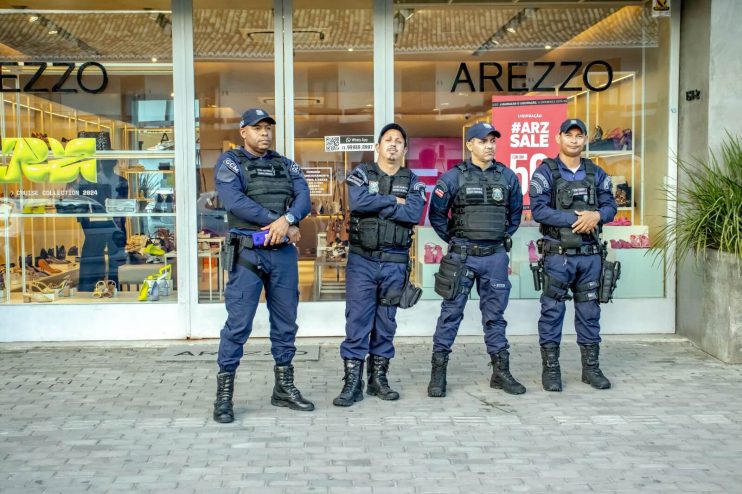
<point>571,198</point>
<point>262,191</point>
<point>386,202</point>
<point>485,201</point>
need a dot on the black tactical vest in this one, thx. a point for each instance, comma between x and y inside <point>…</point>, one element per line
<point>481,205</point>
<point>371,233</point>
<point>578,195</point>
<point>268,183</point>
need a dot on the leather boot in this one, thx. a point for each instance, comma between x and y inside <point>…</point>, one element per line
<point>285,393</point>
<point>353,388</point>
<point>437,385</point>
<point>591,373</point>
<point>378,385</point>
<point>551,373</point>
<point>501,376</point>
<point>223,412</point>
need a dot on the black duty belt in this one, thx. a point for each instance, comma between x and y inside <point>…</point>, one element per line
<point>379,255</point>
<point>474,250</point>
<point>584,250</point>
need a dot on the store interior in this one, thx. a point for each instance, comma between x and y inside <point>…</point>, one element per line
<point>333,73</point>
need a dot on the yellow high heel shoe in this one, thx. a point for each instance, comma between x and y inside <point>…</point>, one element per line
<point>153,250</point>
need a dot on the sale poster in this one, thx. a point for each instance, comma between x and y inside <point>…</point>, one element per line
<point>528,125</point>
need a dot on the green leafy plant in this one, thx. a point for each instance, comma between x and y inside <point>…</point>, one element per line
<point>706,204</point>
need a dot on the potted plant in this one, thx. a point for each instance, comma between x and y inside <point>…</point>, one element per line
<point>706,223</point>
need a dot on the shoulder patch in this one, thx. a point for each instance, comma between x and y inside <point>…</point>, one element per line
<point>542,181</point>
<point>295,169</point>
<point>420,187</point>
<point>440,189</point>
<point>232,165</point>
<point>607,183</point>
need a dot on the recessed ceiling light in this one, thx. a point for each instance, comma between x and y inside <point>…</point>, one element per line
<point>435,109</point>
<point>154,59</point>
<point>172,95</point>
<point>510,30</point>
<point>53,31</point>
<point>547,47</point>
<point>33,18</point>
<point>350,49</point>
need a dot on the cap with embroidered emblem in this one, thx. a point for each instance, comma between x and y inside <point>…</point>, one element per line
<point>573,123</point>
<point>253,116</point>
<point>480,131</point>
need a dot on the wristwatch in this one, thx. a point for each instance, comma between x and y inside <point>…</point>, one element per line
<point>290,218</point>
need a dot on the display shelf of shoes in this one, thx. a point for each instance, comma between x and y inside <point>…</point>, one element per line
<point>615,108</point>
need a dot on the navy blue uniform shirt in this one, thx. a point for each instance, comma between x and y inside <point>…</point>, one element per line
<point>540,192</point>
<point>231,184</point>
<point>448,186</point>
<point>364,201</point>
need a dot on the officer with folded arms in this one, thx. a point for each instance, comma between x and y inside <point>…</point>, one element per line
<point>265,196</point>
<point>571,198</point>
<point>485,201</point>
<point>386,202</point>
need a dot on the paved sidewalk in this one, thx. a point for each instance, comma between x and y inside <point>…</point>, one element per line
<point>99,419</point>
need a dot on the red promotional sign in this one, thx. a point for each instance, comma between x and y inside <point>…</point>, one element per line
<point>528,125</point>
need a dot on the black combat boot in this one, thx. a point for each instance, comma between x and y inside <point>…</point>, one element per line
<point>353,388</point>
<point>551,373</point>
<point>501,376</point>
<point>591,373</point>
<point>285,393</point>
<point>223,411</point>
<point>378,385</point>
<point>437,385</point>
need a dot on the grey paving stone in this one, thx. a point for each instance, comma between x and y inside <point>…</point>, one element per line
<point>112,419</point>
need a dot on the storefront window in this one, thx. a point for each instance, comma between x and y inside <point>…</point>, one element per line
<point>235,70</point>
<point>332,76</point>
<point>87,173</point>
<point>607,65</point>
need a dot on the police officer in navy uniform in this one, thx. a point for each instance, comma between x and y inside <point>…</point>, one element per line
<point>386,202</point>
<point>485,201</point>
<point>571,198</point>
<point>261,191</point>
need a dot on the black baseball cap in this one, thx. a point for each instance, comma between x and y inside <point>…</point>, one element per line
<point>255,115</point>
<point>480,131</point>
<point>572,123</point>
<point>393,126</point>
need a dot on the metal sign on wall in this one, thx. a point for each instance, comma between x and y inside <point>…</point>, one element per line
<point>348,143</point>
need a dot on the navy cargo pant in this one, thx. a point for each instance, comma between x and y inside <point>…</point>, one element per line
<point>493,285</point>
<point>573,270</point>
<point>242,295</point>
<point>370,326</point>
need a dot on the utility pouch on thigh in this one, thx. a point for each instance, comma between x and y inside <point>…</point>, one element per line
<point>610,273</point>
<point>449,278</point>
<point>230,252</point>
<point>555,289</point>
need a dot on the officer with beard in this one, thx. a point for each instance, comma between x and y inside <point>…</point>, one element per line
<point>485,201</point>
<point>386,202</point>
<point>261,191</point>
<point>571,198</point>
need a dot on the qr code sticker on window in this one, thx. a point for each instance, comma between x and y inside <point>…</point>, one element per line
<point>332,143</point>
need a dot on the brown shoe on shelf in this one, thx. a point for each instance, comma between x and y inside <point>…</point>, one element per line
<point>46,268</point>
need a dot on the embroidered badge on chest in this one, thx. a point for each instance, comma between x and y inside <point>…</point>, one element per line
<point>399,189</point>
<point>373,187</point>
<point>497,194</point>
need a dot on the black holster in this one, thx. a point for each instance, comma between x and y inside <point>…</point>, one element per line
<point>450,276</point>
<point>609,275</point>
<point>230,253</point>
<point>409,296</point>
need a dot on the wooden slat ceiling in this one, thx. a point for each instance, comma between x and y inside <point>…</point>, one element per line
<point>223,34</point>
